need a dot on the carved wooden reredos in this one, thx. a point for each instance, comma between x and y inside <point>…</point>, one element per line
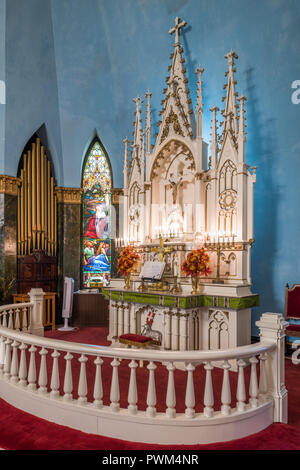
<point>175,187</point>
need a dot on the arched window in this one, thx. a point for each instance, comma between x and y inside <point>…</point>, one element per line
<point>96,217</point>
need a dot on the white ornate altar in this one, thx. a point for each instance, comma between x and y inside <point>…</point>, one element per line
<point>172,190</point>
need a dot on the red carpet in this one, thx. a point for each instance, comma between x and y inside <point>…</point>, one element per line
<point>20,430</point>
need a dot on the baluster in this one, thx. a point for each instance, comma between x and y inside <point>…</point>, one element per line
<point>55,382</point>
<point>17,319</point>
<point>7,360</point>
<point>171,395</point>
<point>25,322</point>
<point>151,394</point>
<point>253,389</point>
<point>23,319</point>
<point>14,369</point>
<point>115,389</point>
<point>23,366</point>
<point>98,388</point>
<point>241,391</point>
<point>43,379</point>
<point>226,393</point>
<point>2,354</point>
<point>132,392</point>
<point>82,385</point>
<point>4,319</point>
<point>263,379</point>
<point>10,320</point>
<point>68,382</point>
<point>32,369</point>
<point>190,392</point>
<point>208,392</point>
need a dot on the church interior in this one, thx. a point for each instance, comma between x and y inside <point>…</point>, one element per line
<point>149,262</point>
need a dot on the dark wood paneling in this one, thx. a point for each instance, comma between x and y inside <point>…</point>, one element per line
<point>90,309</point>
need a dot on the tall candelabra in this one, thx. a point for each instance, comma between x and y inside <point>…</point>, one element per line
<point>217,247</point>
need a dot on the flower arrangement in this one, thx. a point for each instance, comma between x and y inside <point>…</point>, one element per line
<point>127,260</point>
<point>196,263</point>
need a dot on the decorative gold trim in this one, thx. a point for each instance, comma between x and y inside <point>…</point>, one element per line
<point>9,185</point>
<point>68,195</point>
<point>115,195</point>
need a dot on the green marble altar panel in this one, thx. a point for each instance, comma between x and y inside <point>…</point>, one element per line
<point>181,301</point>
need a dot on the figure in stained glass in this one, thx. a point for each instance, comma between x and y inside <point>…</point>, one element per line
<point>96,258</point>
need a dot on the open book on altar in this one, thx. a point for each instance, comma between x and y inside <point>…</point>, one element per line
<point>152,270</point>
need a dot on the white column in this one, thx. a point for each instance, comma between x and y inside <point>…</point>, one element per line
<point>36,326</point>
<point>272,330</point>
<point>183,331</point>
<point>126,318</point>
<point>151,393</point>
<point>55,382</point>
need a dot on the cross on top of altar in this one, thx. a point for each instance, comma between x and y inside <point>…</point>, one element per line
<point>176,29</point>
<point>161,249</point>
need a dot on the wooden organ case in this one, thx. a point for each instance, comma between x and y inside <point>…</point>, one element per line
<point>37,221</point>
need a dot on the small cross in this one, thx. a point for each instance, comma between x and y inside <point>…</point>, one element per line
<point>161,250</point>
<point>176,29</point>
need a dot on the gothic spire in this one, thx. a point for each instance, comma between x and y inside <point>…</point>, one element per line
<point>199,106</point>
<point>242,133</point>
<point>137,132</point>
<point>126,163</point>
<point>214,139</point>
<point>177,103</point>
<point>148,123</point>
<point>230,111</point>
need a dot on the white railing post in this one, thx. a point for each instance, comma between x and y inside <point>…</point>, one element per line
<point>151,393</point>
<point>272,330</point>
<point>190,392</point>
<point>23,366</point>
<point>241,392</point>
<point>98,387</point>
<point>171,396</point>
<point>132,391</point>
<point>36,317</point>
<point>55,381</point>
<point>208,392</point>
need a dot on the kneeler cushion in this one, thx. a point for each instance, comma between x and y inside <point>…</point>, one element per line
<point>136,338</point>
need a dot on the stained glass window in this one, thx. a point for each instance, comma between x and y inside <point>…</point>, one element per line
<point>96,210</point>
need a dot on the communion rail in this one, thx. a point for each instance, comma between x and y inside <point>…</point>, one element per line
<point>45,387</point>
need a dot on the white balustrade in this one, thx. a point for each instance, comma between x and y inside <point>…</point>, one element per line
<point>13,369</point>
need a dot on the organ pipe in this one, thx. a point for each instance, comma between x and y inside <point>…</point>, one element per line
<point>37,211</point>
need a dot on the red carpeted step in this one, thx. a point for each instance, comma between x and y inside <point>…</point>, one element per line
<point>22,431</point>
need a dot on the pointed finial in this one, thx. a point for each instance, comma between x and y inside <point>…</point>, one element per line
<point>176,29</point>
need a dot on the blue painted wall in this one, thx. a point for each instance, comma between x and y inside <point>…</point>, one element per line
<point>76,65</point>
<point>2,83</point>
